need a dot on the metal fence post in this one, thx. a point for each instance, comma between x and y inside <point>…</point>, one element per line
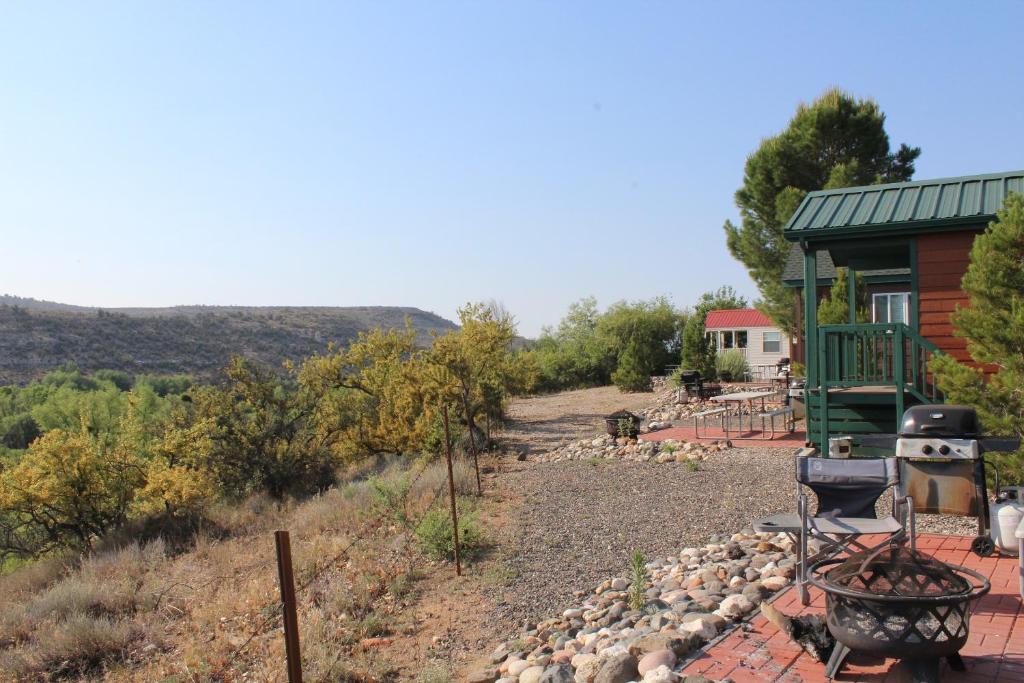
<point>286,578</point>
<point>451,493</point>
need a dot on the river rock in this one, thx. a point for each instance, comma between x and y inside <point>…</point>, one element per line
<point>735,606</point>
<point>557,673</point>
<point>619,668</point>
<point>531,675</point>
<point>662,674</point>
<point>652,660</point>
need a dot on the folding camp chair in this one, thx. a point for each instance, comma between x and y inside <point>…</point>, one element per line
<point>847,490</point>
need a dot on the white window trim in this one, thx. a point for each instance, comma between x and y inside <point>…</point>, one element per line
<point>777,340</point>
<point>906,305</point>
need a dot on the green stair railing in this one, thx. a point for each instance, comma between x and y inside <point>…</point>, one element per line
<point>876,354</point>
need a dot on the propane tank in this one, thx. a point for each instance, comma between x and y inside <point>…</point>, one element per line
<point>1007,513</point>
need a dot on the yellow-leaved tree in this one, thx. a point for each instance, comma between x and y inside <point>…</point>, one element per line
<point>68,489</point>
<point>373,391</point>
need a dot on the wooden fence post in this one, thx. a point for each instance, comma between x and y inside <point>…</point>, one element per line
<point>291,620</point>
<point>451,493</point>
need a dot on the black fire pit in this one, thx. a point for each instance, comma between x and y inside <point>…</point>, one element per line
<point>900,603</point>
<point>622,423</point>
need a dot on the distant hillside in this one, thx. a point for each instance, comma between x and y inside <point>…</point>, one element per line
<point>36,336</point>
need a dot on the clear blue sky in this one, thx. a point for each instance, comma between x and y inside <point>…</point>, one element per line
<point>427,153</point>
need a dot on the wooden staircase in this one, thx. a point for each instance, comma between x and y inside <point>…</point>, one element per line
<point>866,376</point>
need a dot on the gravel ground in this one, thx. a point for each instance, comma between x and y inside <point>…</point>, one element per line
<point>579,522</point>
<point>539,424</point>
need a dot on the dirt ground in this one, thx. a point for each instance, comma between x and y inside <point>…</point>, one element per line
<point>542,423</point>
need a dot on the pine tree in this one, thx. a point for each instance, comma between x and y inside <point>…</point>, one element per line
<point>834,309</point>
<point>836,141</point>
<point>993,326</point>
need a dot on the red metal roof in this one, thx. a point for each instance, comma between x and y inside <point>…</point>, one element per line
<point>737,318</point>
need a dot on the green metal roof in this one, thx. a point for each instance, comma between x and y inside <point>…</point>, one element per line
<point>897,207</point>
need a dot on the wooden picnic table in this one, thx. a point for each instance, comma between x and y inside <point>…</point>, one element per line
<point>739,398</point>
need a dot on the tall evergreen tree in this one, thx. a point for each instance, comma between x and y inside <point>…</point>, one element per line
<point>836,141</point>
<point>993,325</point>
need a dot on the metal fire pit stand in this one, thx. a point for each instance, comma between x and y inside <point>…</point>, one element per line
<point>917,629</point>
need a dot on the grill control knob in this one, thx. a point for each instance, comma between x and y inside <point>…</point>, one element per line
<point>943,449</point>
<point>926,449</point>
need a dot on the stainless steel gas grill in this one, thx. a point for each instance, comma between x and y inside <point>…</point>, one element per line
<point>942,466</point>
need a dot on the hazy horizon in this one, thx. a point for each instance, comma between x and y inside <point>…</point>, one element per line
<point>426,155</point>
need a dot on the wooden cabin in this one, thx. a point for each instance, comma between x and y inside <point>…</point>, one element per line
<point>911,243</point>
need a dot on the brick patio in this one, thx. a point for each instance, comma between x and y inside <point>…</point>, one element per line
<point>783,439</point>
<point>994,652</point>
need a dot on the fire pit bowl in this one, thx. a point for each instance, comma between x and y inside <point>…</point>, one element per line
<point>622,423</point>
<point>896,602</point>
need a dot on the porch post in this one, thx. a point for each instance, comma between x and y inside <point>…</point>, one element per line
<point>851,290</point>
<point>811,314</point>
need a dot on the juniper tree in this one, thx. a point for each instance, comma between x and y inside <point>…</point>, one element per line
<point>993,325</point>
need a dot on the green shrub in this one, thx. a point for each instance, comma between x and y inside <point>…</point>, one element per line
<point>733,362</point>
<point>389,495</point>
<point>638,578</point>
<point>435,534</point>
<point>634,370</point>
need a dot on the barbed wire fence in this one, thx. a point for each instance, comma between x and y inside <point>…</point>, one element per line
<point>365,532</point>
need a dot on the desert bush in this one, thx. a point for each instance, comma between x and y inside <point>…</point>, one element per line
<point>732,362</point>
<point>436,474</point>
<point>626,345</point>
<point>83,644</point>
<point>638,577</point>
<point>435,533</point>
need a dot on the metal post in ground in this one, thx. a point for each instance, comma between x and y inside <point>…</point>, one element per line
<point>472,446</point>
<point>451,492</point>
<point>286,579</point>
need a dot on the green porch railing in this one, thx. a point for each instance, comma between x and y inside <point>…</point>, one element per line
<point>873,355</point>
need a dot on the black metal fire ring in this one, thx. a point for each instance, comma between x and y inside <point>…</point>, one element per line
<point>971,593</point>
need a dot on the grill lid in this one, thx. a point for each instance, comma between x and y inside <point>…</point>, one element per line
<point>940,420</point>
<point>898,571</point>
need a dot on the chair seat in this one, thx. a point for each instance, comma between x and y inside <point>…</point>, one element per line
<point>788,522</point>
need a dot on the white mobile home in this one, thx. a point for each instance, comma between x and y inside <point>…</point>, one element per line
<point>751,331</point>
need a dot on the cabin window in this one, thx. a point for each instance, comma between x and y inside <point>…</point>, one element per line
<point>891,307</point>
<point>727,339</point>
<point>771,342</point>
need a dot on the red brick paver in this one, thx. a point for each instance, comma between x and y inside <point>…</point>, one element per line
<point>994,652</point>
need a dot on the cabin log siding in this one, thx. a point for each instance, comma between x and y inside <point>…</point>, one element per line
<point>942,260</point>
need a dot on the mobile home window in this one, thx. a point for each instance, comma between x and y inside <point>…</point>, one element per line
<point>741,339</point>
<point>712,339</point>
<point>772,342</point>
<point>727,339</point>
<point>891,307</point>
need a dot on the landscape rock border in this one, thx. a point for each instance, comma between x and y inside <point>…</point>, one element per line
<point>688,599</point>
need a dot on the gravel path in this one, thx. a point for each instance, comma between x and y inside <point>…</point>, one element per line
<point>539,424</point>
<point>579,523</point>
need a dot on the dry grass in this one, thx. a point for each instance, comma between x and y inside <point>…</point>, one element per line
<point>143,613</point>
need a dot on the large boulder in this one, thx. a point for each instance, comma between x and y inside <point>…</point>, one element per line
<point>557,673</point>
<point>619,668</point>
